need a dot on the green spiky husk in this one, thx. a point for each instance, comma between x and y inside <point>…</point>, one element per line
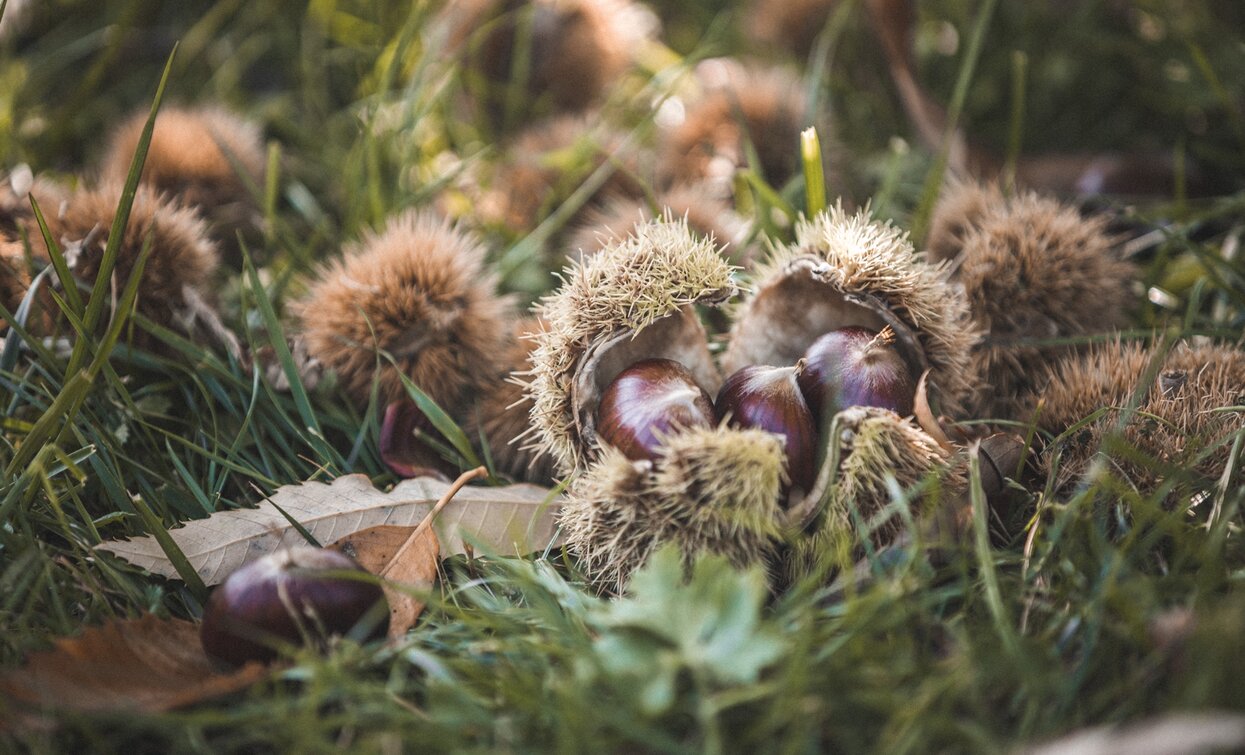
<point>876,447</point>
<point>659,271</point>
<point>711,490</point>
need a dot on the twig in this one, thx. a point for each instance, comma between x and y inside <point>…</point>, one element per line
<point>456,486</point>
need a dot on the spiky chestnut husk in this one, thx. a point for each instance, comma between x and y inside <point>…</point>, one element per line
<point>875,446</point>
<point>1176,422</point>
<point>14,277</point>
<point>577,48</point>
<point>1031,269</point>
<point>764,106</point>
<point>503,414</point>
<point>843,270</point>
<point>183,258</point>
<point>711,490</point>
<point>634,300</point>
<point>17,219</point>
<point>708,216</point>
<point>419,290</point>
<point>16,215</point>
<point>791,25</point>
<point>546,163</point>
<point>196,155</point>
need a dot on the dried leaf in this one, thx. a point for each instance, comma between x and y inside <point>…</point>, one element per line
<point>513,519</point>
<point>375,547</point>
<point>147,664</point>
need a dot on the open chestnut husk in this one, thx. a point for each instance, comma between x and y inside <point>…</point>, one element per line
<point>633,300</point>
<point>647,402</point>
<point>711,489</point>
<point>847,270</point>
<point>878,452</point>
<point>289,597</point>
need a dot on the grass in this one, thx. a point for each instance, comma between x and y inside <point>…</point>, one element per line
<point>994,644</point>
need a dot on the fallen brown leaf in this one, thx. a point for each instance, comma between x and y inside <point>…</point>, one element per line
<point>406,557</point>
<point>374,548</point>
<point>147,665</point>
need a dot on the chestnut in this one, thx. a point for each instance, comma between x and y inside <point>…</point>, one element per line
<point>769,398</point>
<point>856,367</point>
<point>648,400</point>
<point>291,596</point>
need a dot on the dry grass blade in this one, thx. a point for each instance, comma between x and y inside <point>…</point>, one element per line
<point>925,416</point>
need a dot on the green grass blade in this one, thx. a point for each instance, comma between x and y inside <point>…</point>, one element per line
<point>933,182</point>
<point>297,390</point>
<point>156,529</point>
<point>99,292</point>
<point>814,171</point>
<point>442,421</point>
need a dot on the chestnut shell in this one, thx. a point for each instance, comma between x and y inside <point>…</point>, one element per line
<point>647,401</point>
<point>856,366</point>
<point>285,597</point>
<point>769,398</point>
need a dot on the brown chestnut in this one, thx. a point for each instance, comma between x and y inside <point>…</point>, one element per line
<point>288,597</point>
<point>856,367</point>
<point>650,399</point>
<point>769,398</point>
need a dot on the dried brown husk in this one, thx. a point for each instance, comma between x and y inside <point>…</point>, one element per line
<point>575,48</point>
<point>17,221</point>
<point>634,300</point>
<point>17,218</point>
<point>791,25</point>
<point>846,269</point>
<point>878,452</point>
<point>503,414</point>
<point>711,490</point>
<point>547,163</point>
<point>1032,270</point>
<point>419,290</point>
<point>1186,419</point>
<point>183,260</point>
<point>206,157</point>
<point>763,107</point>
<point>14,277</point>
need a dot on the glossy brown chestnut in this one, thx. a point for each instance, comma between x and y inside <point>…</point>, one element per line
<point>856,367</point>
<point>288,597</point>
<point>769,398</point>
<point>650,399</point>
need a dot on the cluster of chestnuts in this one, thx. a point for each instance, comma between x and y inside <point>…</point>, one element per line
<point>799,427</point>
<point>850,366</point>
